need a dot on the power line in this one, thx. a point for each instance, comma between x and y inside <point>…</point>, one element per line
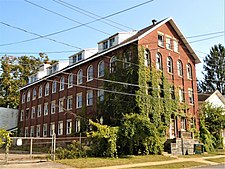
<point>65,30</point>
<point>46,52</point>
<point>40,36</point>
<point>65,17</point>
<point>84,12</point>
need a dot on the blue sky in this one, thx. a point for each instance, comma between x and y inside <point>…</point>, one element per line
<point>193,17</point>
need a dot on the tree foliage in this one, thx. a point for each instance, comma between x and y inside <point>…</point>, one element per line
<point>103,140</point>
<point>137,135</point>
<point>212,122</point>
<point>15,73</point>
<point>5,138</point>
<point>214,70</point>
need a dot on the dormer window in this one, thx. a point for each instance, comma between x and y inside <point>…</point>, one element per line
<point>111,42</point>
<point>79,57</point>
<point>105,45</point>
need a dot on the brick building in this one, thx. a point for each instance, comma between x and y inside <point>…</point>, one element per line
<point>55,101</point>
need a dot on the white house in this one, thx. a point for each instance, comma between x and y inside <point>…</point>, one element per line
<point>8,118</point>
<point>216,99</point>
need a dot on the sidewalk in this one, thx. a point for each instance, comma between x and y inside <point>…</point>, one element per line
<point>201,160</point>
<point>48,164</point>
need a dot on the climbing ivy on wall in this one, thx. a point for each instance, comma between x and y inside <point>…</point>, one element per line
<point>154,100</point>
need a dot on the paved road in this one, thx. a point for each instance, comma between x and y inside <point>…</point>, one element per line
<point>219,166</point>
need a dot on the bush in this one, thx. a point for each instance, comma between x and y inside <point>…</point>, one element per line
<point>72,151</point>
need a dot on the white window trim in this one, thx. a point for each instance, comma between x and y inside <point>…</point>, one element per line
<point>45,113</point>
<point>68,103</point>
<point>79,94</point>
<point>62,84</point>
<point>61,106</point>
<point>38,130</point>
<point>70,80</point>
<point>69,128</point>
<point>54,86</point>
<point>92,75</point>
<point>99,68</point>
<point>59,128</point>
<point>40,90</point>
<point>45,125</point>
<point>80,76</point>
<point>87,98</point>
<point>53,103</point>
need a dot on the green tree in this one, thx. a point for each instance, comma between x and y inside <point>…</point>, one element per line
<point>212,122</point>
<point>214,70</point>
<point>15,73</point>
<point>137,135</point>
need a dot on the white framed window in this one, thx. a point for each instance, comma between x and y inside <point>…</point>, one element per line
<point>33,112</point>
<point>40,92</point>
<point>168,43</point>
<point>45,109</point>
<point>60,128</point>
<point>52,128</point>
<point>70,80</point>
<point>23,97</point>
<point>38,131</point>
<point>80,76</point>
<point>189,71</point>
<point>127,59</point>
<point>45,129</point>
<point>21,115</point>
<point>183,123</point>
<point>61,105</point>
<point>77,125</point>
<point>111,41</point>
<point>105,45</point>
<point>181,95</point>
<point>101,95</point>
<point>69,126</point>
<point>169,65</point>
<point>62,83</point>
<point>191,96</point>
<point>26,133</point>
<point>69,102</point>
<point>158,61</point>
<point>113,64</point>
<point>39,111</point>
<point>89,97</point>
<point>175,45</point>
<point>160,40</point>
<point>90,73</point>
<point>32,131</point>
<point>28,96</point>
<point>34,94</point>
<point>179,68</point>
<point>47,89</point>
<point>101,69</point>
<point>54,86</point>
<point>147,58</point>
<point>79,100</point>
<point>53,107</point>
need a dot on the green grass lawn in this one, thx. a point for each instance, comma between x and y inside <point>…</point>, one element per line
<point>101,162</point>
<point>173,166</point>
<point>217,160</point>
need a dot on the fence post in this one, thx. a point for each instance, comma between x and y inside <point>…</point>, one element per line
<point>54,146</point>
<point>6,153</point>
<point>31,147</point>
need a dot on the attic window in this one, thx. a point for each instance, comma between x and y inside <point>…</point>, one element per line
<point>111,42</point>
<point>105,45</point>
<point>160,40</point>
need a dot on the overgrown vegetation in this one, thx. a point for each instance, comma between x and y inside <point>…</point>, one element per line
<point>72,151</point>
<point>212,122</point>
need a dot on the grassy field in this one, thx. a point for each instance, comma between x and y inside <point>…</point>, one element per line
<point>217,160</point>
<point>173,166</point>
<point>101,162</point>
